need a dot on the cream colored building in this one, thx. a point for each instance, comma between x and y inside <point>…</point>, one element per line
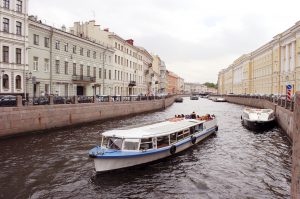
<point>13,46</point>
<point>128,63</point>
<point>266,70</point>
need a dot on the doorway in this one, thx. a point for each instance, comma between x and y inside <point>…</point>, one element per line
<point>80,90</point>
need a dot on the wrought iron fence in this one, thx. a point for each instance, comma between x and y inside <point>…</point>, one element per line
<point>85,99</point>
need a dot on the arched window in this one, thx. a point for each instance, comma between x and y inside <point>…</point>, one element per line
<point>18,82</point>
<point>5,81</point>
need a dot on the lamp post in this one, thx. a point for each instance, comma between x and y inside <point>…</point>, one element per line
<point>26,79</point>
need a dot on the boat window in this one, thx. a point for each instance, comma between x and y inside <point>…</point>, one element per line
<point>146,143</point>
<point>131,144</point>
<point>199,127</point>
<point>180,135</point>
<point>162,141</point>
<point>115,143</point>
<point>192,130</point>
<point>186,132</point>
<point>173,138</point>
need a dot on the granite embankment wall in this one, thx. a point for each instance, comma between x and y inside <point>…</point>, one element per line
<point>285,118</point>
<point>296,151</point>
<point>16,120</point>
<point>290,123</point>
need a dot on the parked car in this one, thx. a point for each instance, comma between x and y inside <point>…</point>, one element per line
<point>40,101</point>
<point>8,100</point>
<point>59,100</point>
<point>85,99</point>
<point>102,98</point>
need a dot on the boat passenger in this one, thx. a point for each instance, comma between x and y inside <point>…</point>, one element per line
<point>182,115</point>
<point>193,115</point>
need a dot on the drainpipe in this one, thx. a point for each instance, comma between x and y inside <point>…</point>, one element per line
<point>51,55</point>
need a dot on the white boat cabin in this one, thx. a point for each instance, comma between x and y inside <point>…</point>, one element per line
<point>153,136</point>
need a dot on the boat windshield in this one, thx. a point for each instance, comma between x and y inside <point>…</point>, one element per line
<point>112,143</point>
<point>131,144</point>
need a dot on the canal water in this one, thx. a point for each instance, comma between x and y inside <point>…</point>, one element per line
<point>234,163</point>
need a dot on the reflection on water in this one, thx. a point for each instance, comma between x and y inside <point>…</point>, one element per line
<point>235,163</point>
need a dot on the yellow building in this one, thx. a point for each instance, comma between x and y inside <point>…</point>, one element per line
<point>266,70</point>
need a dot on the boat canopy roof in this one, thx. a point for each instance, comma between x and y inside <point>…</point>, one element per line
<point>153,130</point>
<point>251,110</point>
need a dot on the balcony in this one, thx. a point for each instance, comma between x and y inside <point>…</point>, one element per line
<point>132,83</point>
<point>81,78</point>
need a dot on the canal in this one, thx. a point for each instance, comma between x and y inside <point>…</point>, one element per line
<point>234,163</point>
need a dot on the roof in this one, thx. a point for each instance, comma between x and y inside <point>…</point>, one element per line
<point>153,130</point>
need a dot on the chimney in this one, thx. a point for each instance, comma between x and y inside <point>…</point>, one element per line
<point>130,41</point>
<point>63,28</point>
<point>106,29</point>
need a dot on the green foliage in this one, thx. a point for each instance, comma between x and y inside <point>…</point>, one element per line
<point>211,85</point>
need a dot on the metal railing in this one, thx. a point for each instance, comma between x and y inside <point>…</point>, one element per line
<point>281,101</point>
<point>12,101</point>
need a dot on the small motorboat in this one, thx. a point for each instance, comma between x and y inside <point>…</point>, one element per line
<point>220,99</point>
<point>194,97</point>
<point>124,148</point>
<point>179,99</point>
<point>258,119</point>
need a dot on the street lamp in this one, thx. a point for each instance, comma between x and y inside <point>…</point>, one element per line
<point>27,78</point>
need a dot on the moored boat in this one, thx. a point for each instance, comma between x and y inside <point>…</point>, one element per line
<point>124,148</point>
<point>179,99</point>
<point>220,99</point>
<point>258,119</point>
<point>194,97</point>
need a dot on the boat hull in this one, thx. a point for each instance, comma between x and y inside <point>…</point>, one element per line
<point>109,164</point>
<point>258,125</point>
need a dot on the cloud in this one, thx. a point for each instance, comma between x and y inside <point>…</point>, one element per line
<point>195,38</point>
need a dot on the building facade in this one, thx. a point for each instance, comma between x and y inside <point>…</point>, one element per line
<point>127,61</point>
<point>64,64</point>
<point>14,46</point>
<point>195,88</point>
<point>267,70</point>
<point>163,78</point>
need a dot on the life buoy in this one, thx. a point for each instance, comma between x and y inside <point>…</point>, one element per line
<point>173,149</point>
<point>217,128</point>
<point>193,139</point>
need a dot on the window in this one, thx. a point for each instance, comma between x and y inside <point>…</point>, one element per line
<point>94,55</point>
<point>46,66</point>
<point>146,143</point>
<point>94,72</point>
<point>109,74</point>
<point>18,82</point>
<point>57,66</point>
<point>88,72</point>
<point>36,39</point>
<point>66,67</point>
<point>116,58</point>
<point>57,45</point>
<point>131,144</point>
<point>74,68</point>
<point>18,55</point>
<point>116,45</point>
<point>18,28</point>
<point>66,47</point>
<point>19,5</point>
<point>46,42</point>
<point>104,73</point>
<point>81,70</point>
<point>88,53</point>
<point>6,4</point>
<point>5,81</point>
<point>100,73</point>
<point>5,25</point>
<point>115,74</point>
<point>114,143</point>
<point>5,53</point>
<point>81,51</point>
<point>35,63</point>
<point>162,141</point>
<point>74,49</point>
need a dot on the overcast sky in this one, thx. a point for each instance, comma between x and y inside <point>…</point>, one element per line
<point>195,38</point>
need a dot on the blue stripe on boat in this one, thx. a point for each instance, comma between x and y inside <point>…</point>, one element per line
<point>110,153</point>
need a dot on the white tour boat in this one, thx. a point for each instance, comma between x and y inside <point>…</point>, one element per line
<point>258,119</point>
<point>220,99</point>
<point>124,148</point>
